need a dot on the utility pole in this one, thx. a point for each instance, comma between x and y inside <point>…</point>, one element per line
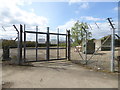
<point>112,44</point>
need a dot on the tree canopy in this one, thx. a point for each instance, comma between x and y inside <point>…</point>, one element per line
<point>78,33</point>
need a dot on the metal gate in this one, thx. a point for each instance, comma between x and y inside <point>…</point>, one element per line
<point>46,49</point>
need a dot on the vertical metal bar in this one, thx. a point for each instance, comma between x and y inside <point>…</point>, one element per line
<point>18,48</point>
<point>36,43</point>
<point>68,33</point>
<point>86,47</point>
<point>21,29</point>
<point>66,44</point>
<point>24,44</point>
<point>47,44</point>
<point>58,45</point>
<point>112,50</point>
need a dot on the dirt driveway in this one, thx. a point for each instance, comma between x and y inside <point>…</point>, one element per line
<point>56,74</point>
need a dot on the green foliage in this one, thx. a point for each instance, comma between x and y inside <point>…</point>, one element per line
<point>9,43</point>
<point>74,44</point>
<point>30,44</point>
<point>91,40</point>
<point>78,33</point>
<point>13,44</point>
<point>62,44</point>
<point>105,37</point>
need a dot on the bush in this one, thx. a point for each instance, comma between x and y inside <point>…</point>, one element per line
<point>9,43</point>
<point>13,44</point>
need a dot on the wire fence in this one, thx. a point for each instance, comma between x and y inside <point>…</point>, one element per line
<point>100,61</point>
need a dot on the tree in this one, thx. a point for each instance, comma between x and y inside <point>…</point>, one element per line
<point>78,33</point>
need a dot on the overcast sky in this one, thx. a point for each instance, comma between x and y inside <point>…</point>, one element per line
<point>61,15</point>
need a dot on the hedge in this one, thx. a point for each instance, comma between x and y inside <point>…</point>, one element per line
<point>13,44</point>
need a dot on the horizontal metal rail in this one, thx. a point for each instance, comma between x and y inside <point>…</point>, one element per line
<point>57,48</point>
<point>45,33</point>
<point>44,60</point>
<point>44,48</point>
<point>58,59</point>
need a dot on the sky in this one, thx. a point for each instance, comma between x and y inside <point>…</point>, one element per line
<point>56,15</point>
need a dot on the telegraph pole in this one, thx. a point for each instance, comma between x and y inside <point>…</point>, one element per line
<point>112,45</point>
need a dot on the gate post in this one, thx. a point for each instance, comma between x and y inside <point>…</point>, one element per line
<point>68,45</point>
<point>24,44</point>
<point>36,43</point>
<point>20,44</point>
<point>58,45</point>
<point>47,44</point>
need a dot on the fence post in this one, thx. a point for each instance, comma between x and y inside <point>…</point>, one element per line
<point>58,45</point>
<point>36,43</point>
<point>20,44</point>
<point>68,34</point>
<point>113,50</point>
<point>86,48</point>
<point>47,44</point>
<point>112,45</point>
<point>66,43</point>
<point>24,44</point>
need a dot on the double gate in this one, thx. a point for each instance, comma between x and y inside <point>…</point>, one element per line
<point>24,50</point>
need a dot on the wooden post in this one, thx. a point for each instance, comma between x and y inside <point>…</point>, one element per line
<point>68,33</point>
<point>47,44</point>
<point>20,44</point>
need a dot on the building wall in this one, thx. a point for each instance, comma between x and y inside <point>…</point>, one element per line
<point>97,44</point>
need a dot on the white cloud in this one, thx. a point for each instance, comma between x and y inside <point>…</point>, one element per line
<point>67,26</point>
<point>81,6</point>
<point>103,30</point>
<point>84,5</point>
<point>115,9</point>
<point>11,13</point>
<point>75,1</point>
<point>90,18</point>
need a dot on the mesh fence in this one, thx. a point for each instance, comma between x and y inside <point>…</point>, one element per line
<point>13,55</point>
<point>100,61</point>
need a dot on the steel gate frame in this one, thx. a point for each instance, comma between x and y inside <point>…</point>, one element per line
<point>47,48</point>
